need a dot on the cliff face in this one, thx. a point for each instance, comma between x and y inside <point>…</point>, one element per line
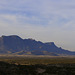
<point>15,44</point>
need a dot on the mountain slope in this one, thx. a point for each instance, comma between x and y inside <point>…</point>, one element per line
<point>15,45</point>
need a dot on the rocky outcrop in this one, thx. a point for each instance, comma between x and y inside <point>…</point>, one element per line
<point>15,44</point>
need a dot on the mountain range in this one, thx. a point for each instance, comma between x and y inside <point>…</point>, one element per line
<point>14,44</point>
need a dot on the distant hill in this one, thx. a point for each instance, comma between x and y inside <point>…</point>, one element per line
<point>15,45</point>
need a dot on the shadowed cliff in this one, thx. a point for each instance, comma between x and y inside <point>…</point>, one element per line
<point>15,45</point>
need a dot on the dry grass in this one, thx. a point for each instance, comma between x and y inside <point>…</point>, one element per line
<point>32,60</point>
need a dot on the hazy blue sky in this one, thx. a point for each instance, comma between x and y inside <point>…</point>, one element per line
<point>43,20</point>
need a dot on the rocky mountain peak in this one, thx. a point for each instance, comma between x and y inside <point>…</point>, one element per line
<point>14,43</point>
<point>11,36</point>
<point>50,43</point>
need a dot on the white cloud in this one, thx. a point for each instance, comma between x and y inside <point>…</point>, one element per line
<point>45,20</point>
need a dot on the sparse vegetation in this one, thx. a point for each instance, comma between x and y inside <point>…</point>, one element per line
<point>38,60</point>
<point>37,66</point>
<point>38,69</point>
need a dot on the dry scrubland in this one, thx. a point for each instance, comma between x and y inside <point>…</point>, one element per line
<point>32,60</point>
<point>37,65</point>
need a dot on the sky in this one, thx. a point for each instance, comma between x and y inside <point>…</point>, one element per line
<point>42,20</point>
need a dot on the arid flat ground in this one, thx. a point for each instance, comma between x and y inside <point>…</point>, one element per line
<point>36,65</point>
<point>32,60</point>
